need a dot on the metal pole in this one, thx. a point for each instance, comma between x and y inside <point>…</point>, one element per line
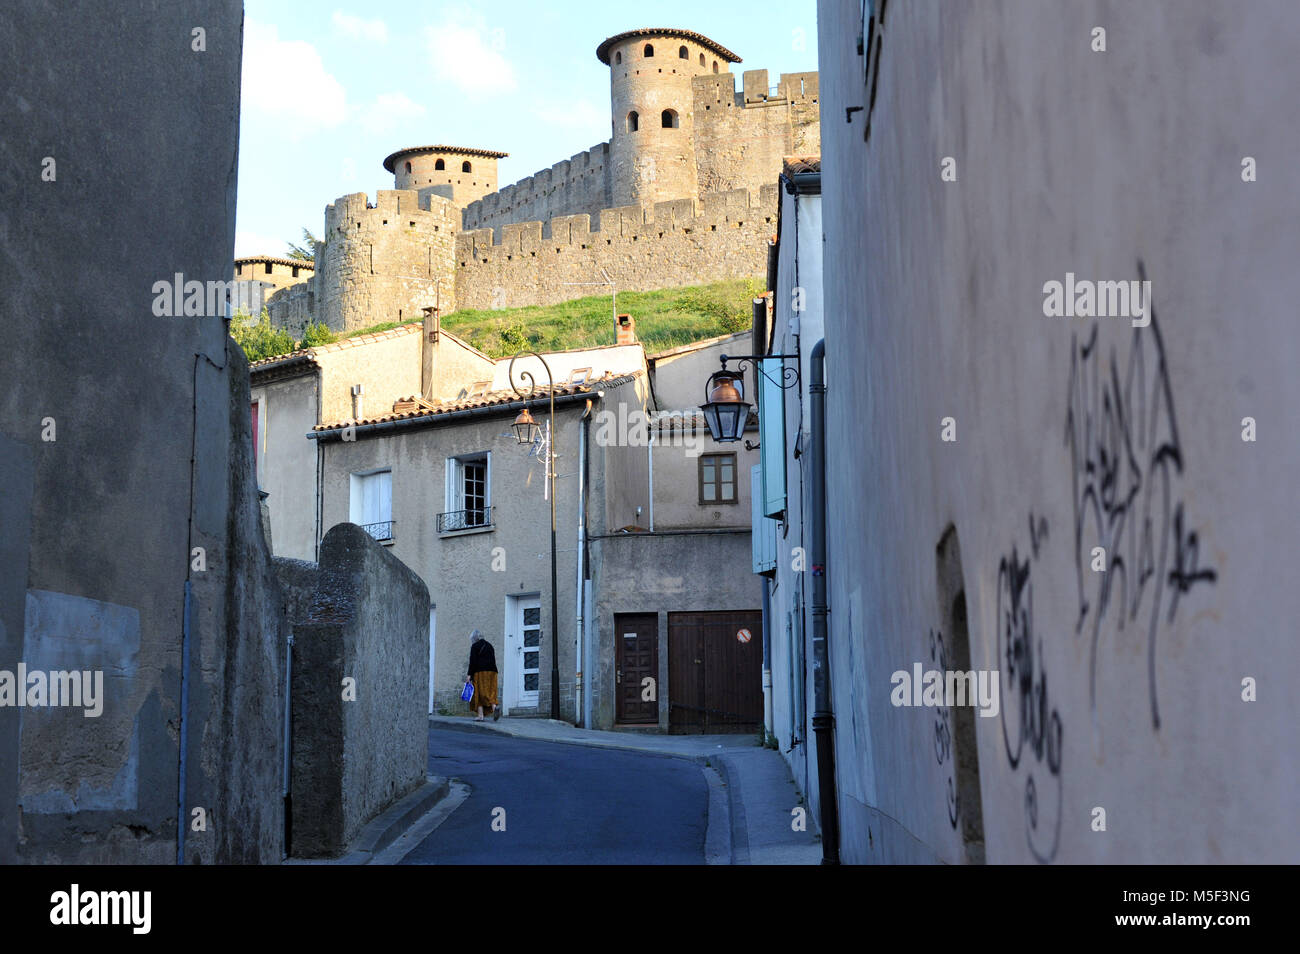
<point>555,610</point>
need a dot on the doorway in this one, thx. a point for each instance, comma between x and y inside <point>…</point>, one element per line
<point>715,671</point>
<point>522,665</point>
<point>636,675</point>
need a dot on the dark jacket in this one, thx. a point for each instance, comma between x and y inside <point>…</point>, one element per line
<point>482,657</point>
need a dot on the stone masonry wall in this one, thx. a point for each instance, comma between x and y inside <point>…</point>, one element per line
<point>575,185</point>
<point>382,262</point>
<point>741,140</point>
<point>356,749</point>
<point>683,242</point>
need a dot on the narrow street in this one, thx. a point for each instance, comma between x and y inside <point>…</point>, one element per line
<point>564,804</point>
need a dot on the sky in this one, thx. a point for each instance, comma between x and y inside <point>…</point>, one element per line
<point>329,90</point>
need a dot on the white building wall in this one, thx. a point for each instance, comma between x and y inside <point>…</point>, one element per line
<point>1067,160</point>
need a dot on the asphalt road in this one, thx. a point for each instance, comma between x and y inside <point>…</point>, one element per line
<point>564,804</point>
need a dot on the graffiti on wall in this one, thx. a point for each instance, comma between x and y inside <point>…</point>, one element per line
<point>1125,461</point>
<point>1031,725</point>
<point>943,728</point>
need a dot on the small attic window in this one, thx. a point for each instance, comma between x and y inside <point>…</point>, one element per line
<point>438,165</point>
<point>408,166</point>
<point>683,53</point>
<point>715,66</point>
<point>618,57</point>
<point>579,375</point>
<point>465,166</point>
<point>701,59</point>
<point>268,268</point>
<point>478,388</point>
<point>649,50</point>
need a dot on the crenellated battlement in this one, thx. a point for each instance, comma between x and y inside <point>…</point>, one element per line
<point>675,243</point>
<point>392,208</point>
<point>577,182</point>
<point>624,223</point>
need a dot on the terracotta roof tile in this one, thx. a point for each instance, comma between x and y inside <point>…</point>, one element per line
<point>602,51</point>
<point>490,399</point>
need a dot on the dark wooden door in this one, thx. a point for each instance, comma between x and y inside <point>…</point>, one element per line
<point>715,671</point>
<point>637,639</point>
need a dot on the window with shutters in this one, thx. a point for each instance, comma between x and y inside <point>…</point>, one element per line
<point>371,505</point>
<point>469,496</point>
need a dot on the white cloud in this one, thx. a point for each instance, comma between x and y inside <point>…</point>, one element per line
<point>375,31</point>
<point>580,114</point>
<point>470,55</point>
<point>251,243</point>
<point>389,112</point>
<point>286,81</point>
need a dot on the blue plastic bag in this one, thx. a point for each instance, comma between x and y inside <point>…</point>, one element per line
<point>467,693</point>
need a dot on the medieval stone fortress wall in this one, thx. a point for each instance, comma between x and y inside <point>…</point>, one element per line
<point>683,193</point>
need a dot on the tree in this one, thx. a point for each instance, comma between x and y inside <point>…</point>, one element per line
<point>308,249</point>
<point>257,337</point>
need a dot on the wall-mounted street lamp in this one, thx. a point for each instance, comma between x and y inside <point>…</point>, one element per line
<point>527,432</point>
<point>725,409</point>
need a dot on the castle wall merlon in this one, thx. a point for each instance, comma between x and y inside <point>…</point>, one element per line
<point>755,86</point>
<point>620,220</point>
<point>800,87</point>
<point>521,237</point>
<point>674,212</point>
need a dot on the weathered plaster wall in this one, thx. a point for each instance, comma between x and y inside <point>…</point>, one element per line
<point>386,365</point>
<point>287,471</point>
<point>662,573</point>
<point>1126,692</point>
<point>109,502</point>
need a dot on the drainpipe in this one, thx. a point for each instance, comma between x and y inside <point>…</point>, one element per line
<point>579,636</point>
<point>823,715</point>
<point>767,657</point>
<point>650,465</point>
<point>182,816</point>
<point>288,742</point>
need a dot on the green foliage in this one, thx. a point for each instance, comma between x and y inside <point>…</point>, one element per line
<point>308,249</point>
<point>514,338</point>
<point>665,318</point>
<point>317,333</point>
<point>258,339</point>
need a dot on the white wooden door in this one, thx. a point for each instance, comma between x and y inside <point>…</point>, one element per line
<point>523,652</point>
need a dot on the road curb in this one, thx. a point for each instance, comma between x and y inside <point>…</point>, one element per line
<point>737,824</point>
<point>386,827</point>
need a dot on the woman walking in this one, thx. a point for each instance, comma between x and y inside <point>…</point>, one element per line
<point>483,674</point>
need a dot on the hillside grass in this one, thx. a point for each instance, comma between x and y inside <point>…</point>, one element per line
<point>666,318</point>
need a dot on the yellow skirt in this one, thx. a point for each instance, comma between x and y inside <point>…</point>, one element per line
<point>485,691</point>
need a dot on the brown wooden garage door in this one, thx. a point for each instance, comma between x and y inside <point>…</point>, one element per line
<point>715,679</point>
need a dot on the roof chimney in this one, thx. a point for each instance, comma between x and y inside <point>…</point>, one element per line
<point>626,330</point>
<point>428,342</point>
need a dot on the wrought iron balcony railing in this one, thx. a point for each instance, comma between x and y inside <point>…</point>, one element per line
<point>382,532</point>
<point>464,519</point>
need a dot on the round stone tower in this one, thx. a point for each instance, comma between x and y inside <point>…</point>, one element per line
<point>461,174</point>
<point>652,150</point>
